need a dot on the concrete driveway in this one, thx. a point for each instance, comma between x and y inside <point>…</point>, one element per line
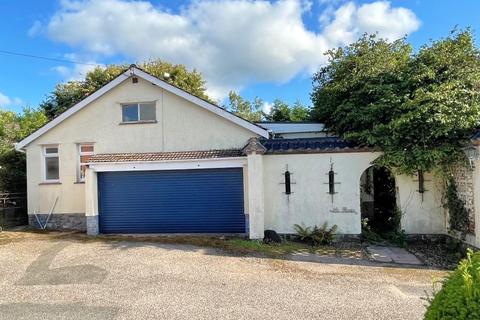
<point>72,279</point>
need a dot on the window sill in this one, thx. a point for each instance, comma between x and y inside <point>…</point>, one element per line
<point>139,122</point>
<point>49,182</point>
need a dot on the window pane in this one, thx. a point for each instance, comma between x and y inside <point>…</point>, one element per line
<point>86,148</point>
<point>51,168</point>
<point>50,150</point>
<point>84,159</point>
<point>82,172</point>
<point>147,111</point>
<point>130,113</point>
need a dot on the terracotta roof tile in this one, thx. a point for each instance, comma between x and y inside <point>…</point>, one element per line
<point>164,156</point>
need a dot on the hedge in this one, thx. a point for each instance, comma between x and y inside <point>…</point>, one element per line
<point>459,297</point>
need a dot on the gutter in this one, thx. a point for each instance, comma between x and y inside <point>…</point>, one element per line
<point>18,149</point>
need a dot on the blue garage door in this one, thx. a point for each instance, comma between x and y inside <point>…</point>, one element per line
<point>176,201</point>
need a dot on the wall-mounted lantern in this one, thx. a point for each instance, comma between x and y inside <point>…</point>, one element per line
<point>287,181</point>
<point>331,181</point>
<point>288,189</point>
<point>421,182</point>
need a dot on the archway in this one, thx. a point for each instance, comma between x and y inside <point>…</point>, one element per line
<point>378,200</point>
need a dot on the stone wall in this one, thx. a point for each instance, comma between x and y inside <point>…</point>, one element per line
<point>58,221</point>
<point>465,189</point>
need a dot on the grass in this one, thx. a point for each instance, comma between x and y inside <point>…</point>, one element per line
<point>255,246</point>
<point>233,245</point>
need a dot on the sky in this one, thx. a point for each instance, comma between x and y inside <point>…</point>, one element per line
<point>265,49</point>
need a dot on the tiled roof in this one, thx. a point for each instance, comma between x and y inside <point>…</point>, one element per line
<point>311,145</point>
<point>164,156</point>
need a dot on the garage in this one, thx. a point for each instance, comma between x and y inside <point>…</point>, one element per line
<point>172,201</point>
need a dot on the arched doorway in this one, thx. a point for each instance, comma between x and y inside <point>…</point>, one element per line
<point>378,200</point>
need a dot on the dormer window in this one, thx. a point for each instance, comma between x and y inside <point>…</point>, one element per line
<point>139,112</point>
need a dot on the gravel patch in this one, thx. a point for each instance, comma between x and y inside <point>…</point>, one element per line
<point>149,280</point>
<point>435,254</point>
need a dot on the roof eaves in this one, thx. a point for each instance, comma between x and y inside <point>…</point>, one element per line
<point>72,110</point>
<point>146,76</point>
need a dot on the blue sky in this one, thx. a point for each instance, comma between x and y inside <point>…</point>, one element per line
<point>264,49</point>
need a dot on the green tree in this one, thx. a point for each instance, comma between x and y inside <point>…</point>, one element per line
<point>299,112</point>
<point>13,128</point>
<point>280,111</point>
<point>244,108</point>
<point>416,107</point>
<point>67,94</point>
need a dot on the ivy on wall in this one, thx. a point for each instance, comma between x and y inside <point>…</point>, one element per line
<point>459,215</point>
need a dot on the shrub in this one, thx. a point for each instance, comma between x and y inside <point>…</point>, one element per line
<point>367,233</point>
<point>316,236</point>
<point>459,297</point>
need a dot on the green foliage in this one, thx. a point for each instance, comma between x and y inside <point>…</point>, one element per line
<point>13,128</point>
<point>398,238</point>
<point>67,94</point>
<point>416,107</point>
<point>458,214</point>
<point>459,297</point>
<point>281,111</point>
<point>299,112</point>
<point>368,234</point>
<point>314,235</point>
<point>244,108</point>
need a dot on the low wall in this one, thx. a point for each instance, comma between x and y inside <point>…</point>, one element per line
<point>58,221</point>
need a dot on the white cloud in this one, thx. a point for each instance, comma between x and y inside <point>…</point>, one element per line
<point>349,21</point>
<point>6,101</point>
<point>267,107</point>
<point>77,71</point>
<point>35,29</point>
<point>233,43</point>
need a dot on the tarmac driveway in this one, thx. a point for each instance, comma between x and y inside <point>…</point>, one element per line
<point>59,279</point>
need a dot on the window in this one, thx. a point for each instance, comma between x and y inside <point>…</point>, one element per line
<point>84,153</point>
<point>138,112</point>
<point>50,154</point>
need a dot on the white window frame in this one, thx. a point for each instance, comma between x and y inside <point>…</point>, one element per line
<point>139,104</point>
<point>81,153</point>
<point>46,155</point>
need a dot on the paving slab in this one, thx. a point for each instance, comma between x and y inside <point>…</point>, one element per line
<point>392,254</point>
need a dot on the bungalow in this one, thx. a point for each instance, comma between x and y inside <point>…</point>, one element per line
<point>142,156</point>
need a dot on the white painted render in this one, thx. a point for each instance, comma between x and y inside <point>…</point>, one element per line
<point>475,240</point>
<point>238,162</point>
<point>256,196</point>
<point>181,126</point>
<point>131,72</point>
<point>184,126</point>
<point>421,214</point>
<point>309,203</point>
<point>91,200</point>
